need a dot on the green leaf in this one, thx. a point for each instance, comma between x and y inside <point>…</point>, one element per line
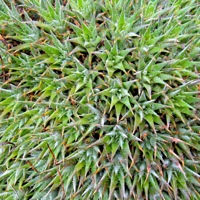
<point>137,122</point>
<point>120,66</point>
<point>118,107</point>
<point>149,118</point>
<point>50,50</point>
<point>132,34</point>
<point>21,47</point>
<point>126,102</point>
<point>114,50</point>
<point>110,71</point>
<point>160,81</point>
<point>121,21</point>
<point>114,100</point>
<point>114,147</point>
<point>178,113</point>
<point>86,31</point>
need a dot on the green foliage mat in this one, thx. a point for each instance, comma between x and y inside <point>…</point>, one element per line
<point>99,99</point>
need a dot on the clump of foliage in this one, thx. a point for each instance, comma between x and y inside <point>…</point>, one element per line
<point>99,99</point>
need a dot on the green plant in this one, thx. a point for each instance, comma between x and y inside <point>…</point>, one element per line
<point>99,99</point>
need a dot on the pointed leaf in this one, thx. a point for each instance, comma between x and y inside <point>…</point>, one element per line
<point>118,107</point>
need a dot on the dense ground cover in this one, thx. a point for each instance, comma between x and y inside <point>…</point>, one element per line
<point>99,99</point>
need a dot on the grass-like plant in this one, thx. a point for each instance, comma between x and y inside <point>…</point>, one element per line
<point>99,99</point>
